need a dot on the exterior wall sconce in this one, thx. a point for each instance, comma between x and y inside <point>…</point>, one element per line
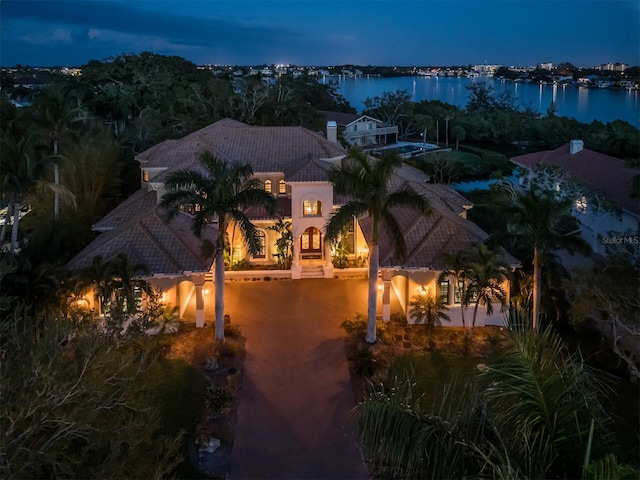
<point>205,291</point>
<point>422,290</point>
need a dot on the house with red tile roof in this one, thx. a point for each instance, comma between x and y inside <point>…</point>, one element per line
<point>293,164</point>
<point>603,178</point>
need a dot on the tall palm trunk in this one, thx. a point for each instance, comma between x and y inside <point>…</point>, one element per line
<point>373,293</point>
<point>219,278</point>
<point>14,227</point>
<point>56,180</point>
<point>475,314</point>
<point>7,219</point>
<point>537,276</point>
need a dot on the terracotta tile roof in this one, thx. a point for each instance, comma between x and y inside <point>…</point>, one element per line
<point>599,172</point>
<point>140,201</point>
<point>268,149</point>
<point>283,209</point>
<point>166,247</point>
<point>311,171</point>
<point>428,238</point>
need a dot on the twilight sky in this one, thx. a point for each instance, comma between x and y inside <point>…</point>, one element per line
<point>306,32</point>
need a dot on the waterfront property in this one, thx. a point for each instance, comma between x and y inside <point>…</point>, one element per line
<point>293,164</point>
<point>605,209</point>
<point>360,130</point>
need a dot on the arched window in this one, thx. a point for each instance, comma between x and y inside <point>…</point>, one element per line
<point>145,175</point>
<point>311,208</point>
<point>267,186</point>
<point>262,243</point>
<point>282,187</point>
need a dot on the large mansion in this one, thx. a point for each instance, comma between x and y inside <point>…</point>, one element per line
<point>293,164</point>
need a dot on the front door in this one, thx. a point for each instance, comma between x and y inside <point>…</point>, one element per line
<point>311,243</point>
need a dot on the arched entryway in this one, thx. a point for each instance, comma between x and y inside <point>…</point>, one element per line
<point>311,243</point>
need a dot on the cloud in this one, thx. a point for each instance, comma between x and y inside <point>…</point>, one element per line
<point>131,20</point>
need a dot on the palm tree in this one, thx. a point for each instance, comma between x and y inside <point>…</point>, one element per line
<point>456,267</point>
<point>366,181</point>
<point>528,416</point>
<point>429,310</point>
<point>126,280</point>
<point>447,118</point>
<point>459,133</point>
<point>219,193</point>
<point>540,219</point>
<point>485,275</point>
<point>99,276</point>
<point>544,401</point>
<point>53,114</point>
<point>20,171</point>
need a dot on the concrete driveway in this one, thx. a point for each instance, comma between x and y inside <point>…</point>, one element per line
<point>296,393</point>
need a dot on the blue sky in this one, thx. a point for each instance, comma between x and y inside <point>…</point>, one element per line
<point>305,32</point>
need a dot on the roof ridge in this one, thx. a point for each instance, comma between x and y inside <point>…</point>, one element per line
<point>158,245</point>
<point>426,238</point>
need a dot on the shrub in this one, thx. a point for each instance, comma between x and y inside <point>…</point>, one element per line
<point>76,407</point>
<point>226,351</point>
<point>230,329</point>
<point>364,362</point>
<point>358,326</point>
<point>218,398</point>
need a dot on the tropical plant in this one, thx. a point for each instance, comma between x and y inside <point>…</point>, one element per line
<point>528,415</point>
<point>340,250</point>
<point>485,274</point>
<point>543,401</point>
<point>402,438</point>
<point>55,114</point>
<point>366,181</point>
<point>456,265</point>
<point>219,193</point>
<point>284,243</point>
<point>20,171</point>
<point>429,310</point>
<point>73,405</point>
<point>543,220</point>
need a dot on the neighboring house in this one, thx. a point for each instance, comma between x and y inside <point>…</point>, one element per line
<point>361,130</point>
<point>293,164</point>
<point>607,177</point>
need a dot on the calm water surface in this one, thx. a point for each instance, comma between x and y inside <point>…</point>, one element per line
<point>583,104</point>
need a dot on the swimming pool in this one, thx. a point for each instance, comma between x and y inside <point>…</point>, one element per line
<point>405,149</point>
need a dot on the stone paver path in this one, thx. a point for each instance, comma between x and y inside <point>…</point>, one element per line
<point>296,393</point>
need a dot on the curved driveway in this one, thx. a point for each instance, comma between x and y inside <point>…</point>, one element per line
<point>296,393</point>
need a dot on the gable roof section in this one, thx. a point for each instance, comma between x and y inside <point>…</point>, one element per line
<point>166,247</point>
<point>341,118</point>
<point>267,149</point>
<point>365,118</point>
<point>601,173</point>
<point>428,238</point>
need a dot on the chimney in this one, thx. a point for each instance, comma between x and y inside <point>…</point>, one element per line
<point>575,146</point>
<point>332,131</point>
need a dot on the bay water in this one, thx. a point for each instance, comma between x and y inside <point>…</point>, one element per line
<point>582,103</point>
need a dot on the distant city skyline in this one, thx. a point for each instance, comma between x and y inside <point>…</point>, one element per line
<point>373,32</point>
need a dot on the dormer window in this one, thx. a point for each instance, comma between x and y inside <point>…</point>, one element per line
<point>311,208</point>
<point>282,187</point>
<point>267,186</point>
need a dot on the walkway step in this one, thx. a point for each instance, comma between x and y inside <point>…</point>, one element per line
<point>312,272</point>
